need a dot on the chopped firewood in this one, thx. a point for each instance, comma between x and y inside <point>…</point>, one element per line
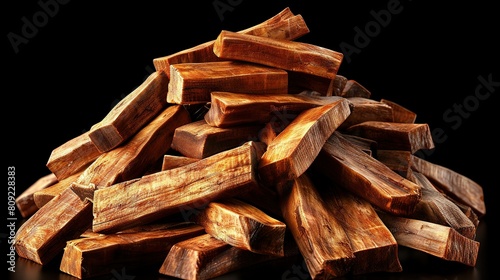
<point>374,247</point>
<point>397,160</point>
<point>100,255</point>
<point>66,216</point>
<point>25,202</point>
<point>400,113</point>
<point>205,257</point>
<point>130,114</point>
<point>319,235</point>
<point>365,109</point>
<point>192,83</point>
<point>395,136</point>
<point>200,140</point>
<point>366,145</point>
<point>349,167</point>
<point>232,109</point>
<point>452,183</point>
<point>354,89</point>
<point>292,152</point>
<point>72,156</point>
<point>172,161</point>
<point>441,241</point>
<point>43,196</point>
<point>284,25</point>
<point>244,226</point>
<point>163,193</point>
<point>283,54</point>
<point>338,85</point>
<point>298,82</point>
<point>434,207</point>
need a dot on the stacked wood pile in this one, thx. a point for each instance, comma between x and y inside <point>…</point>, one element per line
<point>243,150</point>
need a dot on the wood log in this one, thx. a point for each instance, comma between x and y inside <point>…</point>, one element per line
<point>365,109</point>
<point>132,113</point>
<point>158,195</point>
<point>373,245</point>
<point>400,114</point>
<point>284,25</point>
<point>43,196</point>
<point>283,54</point>
<point>353,88</point>
<point>395,136</point>
<point>319,235</point>
<point>200,140</point>
<point>349,167</point>
<point>192,83</point>
<point>441,241</point>
<point>205,257</point>
<point>244,226</point>
<point>173,161</point>
<point>25,202</point>
<point>99,255</point>
<point>452,183</point>
<point>229,109</point>
<point>434,207</point>
<point>292,152</point>
<point>72,156</point>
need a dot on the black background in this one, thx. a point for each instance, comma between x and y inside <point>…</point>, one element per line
<point>87,56</point>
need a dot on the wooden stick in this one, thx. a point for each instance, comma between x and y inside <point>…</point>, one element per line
<point>43,196</point>
<point>400,113</point>
<point>25,202</point>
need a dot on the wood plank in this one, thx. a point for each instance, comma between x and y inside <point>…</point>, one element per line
<point>365,109</point>
<point>283,54</point>
<point>222,175</point>
<point>441,241</point>
<point>228,109</point>
<point>319,235</point>
<point>192,83</point>
<point>292,152</point>
<point>25,202</point>
<point>452,183</point>
<point>395,136</point>
<point>132,113</point>
<point>349,167</point>
<point>43,196</point>
<point>284,25</point>
<point>200,140</point>
<point>102,254</point>
<point>400,113</point>
<point>173,161</point>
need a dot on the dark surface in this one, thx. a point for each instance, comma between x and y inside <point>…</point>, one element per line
<point>85,57</point>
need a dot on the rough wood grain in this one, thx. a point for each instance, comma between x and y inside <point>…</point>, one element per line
<point>173,161</point>
<point>365,109</point>
<point>441,241</point>
<point>284,25</point>
<point>130,114</point>
<point>292,152</point>
<point>163,193</point>
<point>364,144</point>
<point>192,83</point>
<point>397,160</point>
<point>452,183</point>
<point>319,235</point>
<point>200,140</point>
<point>395,136</point>
<point>349,167</point>
<point>283,54</point>
<point>400,113</point>
<point>43,196</point>
<point>102,254</point>
<point>25,202</point>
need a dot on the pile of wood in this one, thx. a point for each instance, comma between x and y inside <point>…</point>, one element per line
<point>243,150</point>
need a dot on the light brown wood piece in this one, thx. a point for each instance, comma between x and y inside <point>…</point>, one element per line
<point>291,153</point>
<point>72,156</point>
<point>130,114</point>
<point>395,136</point>
<point>349,167</point>
<point>365,109</point>
<point>400,113</point>
<point>353,88</point>
<point>172,161</point>
<point>284,25</point>
<point>205,257</point>
<point>319,235</point>
<point>102,254</point>
<point>43,196</point>
<point>200,140</point>
<point>163,193</point>
<point>192,83</point>
<point>229,109</point>
<point>374,247</point>
<point>244,226</point>
<point>434,207</point>
<point>441,241</point>
<point>283,54</point>
<point>453,184</point>
<point>25,202</point>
